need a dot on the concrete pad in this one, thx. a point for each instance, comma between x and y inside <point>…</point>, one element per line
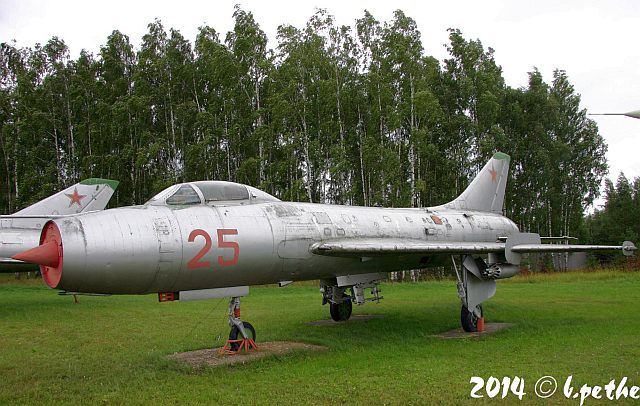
<point>489,328</point>
<point>213,358</point>
<point>355,317</point>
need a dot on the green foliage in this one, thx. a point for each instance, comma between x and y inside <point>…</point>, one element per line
<point>619,219</point>
<point>337,114</point>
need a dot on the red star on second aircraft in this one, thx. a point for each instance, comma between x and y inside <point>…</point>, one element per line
<point>75,198</point>
<point>494,174</point>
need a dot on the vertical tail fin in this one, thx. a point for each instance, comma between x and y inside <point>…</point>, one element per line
<point>89,194</point>
<point>486,191</point>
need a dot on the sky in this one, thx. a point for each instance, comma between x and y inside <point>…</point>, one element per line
<point>595,42</point>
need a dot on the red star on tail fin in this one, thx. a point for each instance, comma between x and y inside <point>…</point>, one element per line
<point>494,174</point>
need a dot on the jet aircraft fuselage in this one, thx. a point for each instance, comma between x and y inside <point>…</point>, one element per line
<point>156,248</point>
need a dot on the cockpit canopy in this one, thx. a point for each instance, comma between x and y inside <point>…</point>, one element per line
<point>212,192</point>
<point>222,191</point>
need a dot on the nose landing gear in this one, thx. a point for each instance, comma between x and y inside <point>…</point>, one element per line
<point>242,335</point>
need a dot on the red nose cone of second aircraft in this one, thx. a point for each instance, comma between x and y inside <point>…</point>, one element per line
<point>48,254</point>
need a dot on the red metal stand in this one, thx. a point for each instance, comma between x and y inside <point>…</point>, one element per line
<point>246,344</point>
<point>481,325</point>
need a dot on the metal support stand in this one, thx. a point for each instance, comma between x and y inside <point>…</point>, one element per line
<point>246,344</point>
<point>481,325</point>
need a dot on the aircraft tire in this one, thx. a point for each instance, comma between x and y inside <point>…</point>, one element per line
<point>341,311</point>
<point>468,320</point>
<point>236,335</point>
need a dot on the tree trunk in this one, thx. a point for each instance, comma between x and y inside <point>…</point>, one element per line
<point>73,168</point>
<point>8,171</point>
<point>261,177</point>
<point>360,146</point>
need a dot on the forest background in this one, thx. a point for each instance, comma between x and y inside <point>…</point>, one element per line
<point>356,115</point>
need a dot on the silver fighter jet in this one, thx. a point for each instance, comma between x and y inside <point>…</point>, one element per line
<point>21,231</point>
<point>214,239</point>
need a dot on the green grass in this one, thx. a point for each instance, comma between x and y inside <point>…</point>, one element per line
<point>111,350</point>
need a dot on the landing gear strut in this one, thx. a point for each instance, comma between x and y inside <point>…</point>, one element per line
<point>242,335</point>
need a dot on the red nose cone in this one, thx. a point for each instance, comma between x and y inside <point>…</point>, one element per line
<point>47,254</point>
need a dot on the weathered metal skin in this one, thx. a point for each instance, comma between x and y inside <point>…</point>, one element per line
<point>147,249</point>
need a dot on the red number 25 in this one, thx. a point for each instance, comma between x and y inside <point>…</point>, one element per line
<point>196,262</point>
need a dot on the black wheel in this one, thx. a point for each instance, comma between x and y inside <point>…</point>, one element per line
<point>236,335</point>
<point>341,311</point>
<point>469,320</point>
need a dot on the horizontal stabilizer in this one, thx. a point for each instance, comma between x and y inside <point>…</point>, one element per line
<point>44,216</point>
<point>627,248</point>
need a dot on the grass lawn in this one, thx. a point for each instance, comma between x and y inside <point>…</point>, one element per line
<point>112,349</point>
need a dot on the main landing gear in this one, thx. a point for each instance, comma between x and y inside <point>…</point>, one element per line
<point>470,320</point>
<point>340,306</point>
<point>473,290</point>
<point>334,292</point>
<point>242,335</point>
<point>341,311</point>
